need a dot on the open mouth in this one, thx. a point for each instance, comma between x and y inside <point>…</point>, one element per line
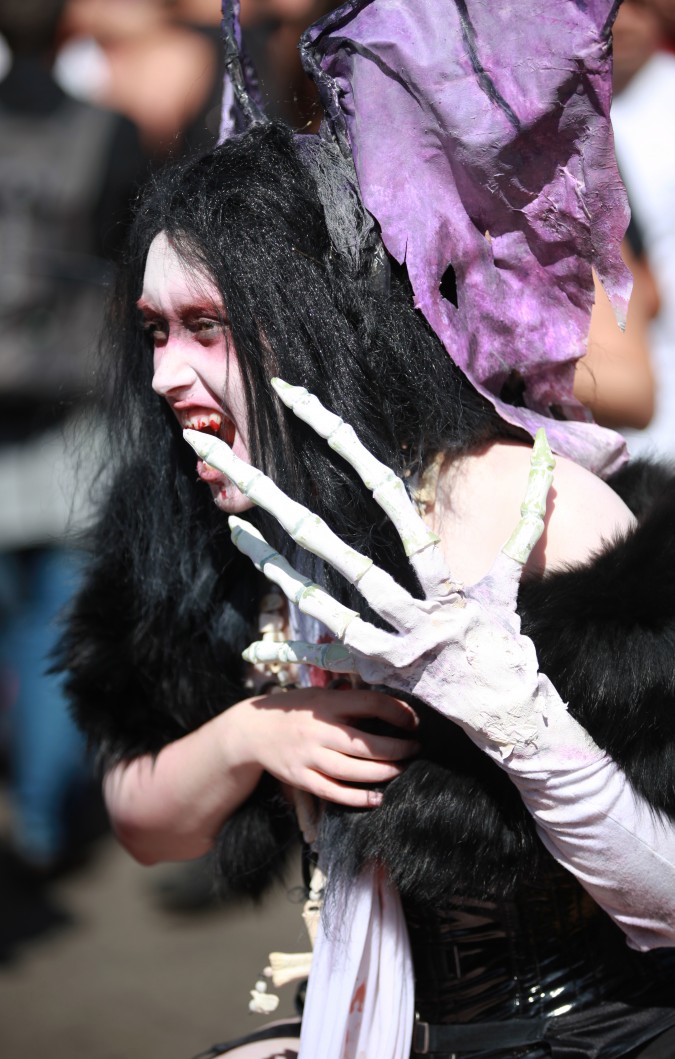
<point>217,424</point>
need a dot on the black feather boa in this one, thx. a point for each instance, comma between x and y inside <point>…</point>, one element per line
<point>453,822</point>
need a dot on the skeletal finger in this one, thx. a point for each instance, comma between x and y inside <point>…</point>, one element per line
<point>531,525</point>
<point>331,656</point>
<point>379,589</point>
<point>387,488</point>
<point>309,597</point>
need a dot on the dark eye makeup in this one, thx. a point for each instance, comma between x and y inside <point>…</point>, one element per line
<point>155,330</point>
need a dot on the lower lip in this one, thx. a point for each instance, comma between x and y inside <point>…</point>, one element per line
<point>207,473</point>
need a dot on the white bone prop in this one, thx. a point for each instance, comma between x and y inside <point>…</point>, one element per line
<point>529,529</point>
<point>464,655</point>
<point>285,967</point>
<point>387,489</point>
<point>378,587</point>
<point>262,1002</point>
<point>462,652</point>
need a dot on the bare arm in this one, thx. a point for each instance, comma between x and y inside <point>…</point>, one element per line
<point>615,378</point>
<point>172,806</point>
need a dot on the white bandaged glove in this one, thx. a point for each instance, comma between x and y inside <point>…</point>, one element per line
<point>462,652</point>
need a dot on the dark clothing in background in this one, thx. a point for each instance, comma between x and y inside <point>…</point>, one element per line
<point>68,175</point>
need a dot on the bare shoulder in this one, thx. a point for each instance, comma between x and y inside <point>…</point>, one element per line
<point>478,504</point>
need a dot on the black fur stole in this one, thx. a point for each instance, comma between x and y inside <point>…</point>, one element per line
<point>453,822</point>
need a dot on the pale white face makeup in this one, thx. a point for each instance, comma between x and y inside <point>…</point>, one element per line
<point>195,364</point>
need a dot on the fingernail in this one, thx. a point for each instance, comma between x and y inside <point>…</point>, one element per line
<point>375,798</point>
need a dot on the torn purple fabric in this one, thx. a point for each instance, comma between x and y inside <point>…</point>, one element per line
<point>481,138</point>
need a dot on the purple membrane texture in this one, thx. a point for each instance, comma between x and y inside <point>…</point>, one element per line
<point>241,103</point>
<point>482,143</point>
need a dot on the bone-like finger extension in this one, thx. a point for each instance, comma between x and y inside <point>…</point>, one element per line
<point>387,488</point>
<point>310,598</point>
<point>307,529</point>
<point>332,656</point>
<point>531,525</point>
<point>378,587</point>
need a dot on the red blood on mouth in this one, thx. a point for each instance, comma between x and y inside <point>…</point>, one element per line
<point>208,426</point>
<point>214,427</point>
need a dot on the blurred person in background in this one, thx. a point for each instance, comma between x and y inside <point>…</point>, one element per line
<point>665,9</point>
<point>157,62</point>
<point>616,377</point>
<point>160,62</point>
<point>67,174</point>
<point>271,32</point>
<point>202,18</point>
<point>642,116</point>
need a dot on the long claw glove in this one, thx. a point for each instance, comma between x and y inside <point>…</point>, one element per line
<point>461,652</point>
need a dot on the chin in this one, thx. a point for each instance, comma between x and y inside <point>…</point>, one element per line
<point>230,500</point>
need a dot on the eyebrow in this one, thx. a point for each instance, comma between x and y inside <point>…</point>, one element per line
<point>192,309</point>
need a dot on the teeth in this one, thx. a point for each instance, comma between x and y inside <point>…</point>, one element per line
<point>210,421</point>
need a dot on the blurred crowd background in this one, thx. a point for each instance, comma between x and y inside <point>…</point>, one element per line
<point>94,95</point>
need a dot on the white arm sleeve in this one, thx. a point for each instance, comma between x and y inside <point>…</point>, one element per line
<point>596,825</point>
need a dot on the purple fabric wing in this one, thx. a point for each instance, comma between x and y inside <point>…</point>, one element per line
<point>481,138</point>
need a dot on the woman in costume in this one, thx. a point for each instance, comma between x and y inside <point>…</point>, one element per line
<point>485,845</point>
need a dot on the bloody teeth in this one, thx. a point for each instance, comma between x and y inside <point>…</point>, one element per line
<point>210,423</point>
<point>214,423</point>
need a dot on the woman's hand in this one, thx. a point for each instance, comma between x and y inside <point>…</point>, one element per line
<point>314,739</point>
<point>172,806</point>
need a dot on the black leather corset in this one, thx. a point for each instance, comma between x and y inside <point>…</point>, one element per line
<point>549,951</point>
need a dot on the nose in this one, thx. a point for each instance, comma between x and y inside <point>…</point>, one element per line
<point>173,372</point>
